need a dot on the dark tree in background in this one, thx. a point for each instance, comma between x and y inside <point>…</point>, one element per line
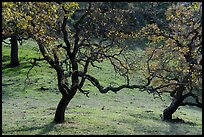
<point>14,52</point>
<point>11,30</point>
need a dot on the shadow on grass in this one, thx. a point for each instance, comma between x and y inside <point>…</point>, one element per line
<point>5,58</point>
<point>44,129</point>
<point>146,115</point>
<point>47,128</point>
<point>7,70</point>
<point>175,128</point>
<point>151,123</point>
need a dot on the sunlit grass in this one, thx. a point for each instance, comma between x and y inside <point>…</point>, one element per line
<point>28,110</point>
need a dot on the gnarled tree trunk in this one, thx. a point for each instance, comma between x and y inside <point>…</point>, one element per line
<point>14,52</point>
<point>168,112</point>
<point>60,111</point>
<point>67,95</point>
<point>176,102</point>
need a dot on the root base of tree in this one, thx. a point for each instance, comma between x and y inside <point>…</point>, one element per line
<point>176,120</point>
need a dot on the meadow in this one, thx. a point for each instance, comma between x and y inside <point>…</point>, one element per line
<point>29,104</point>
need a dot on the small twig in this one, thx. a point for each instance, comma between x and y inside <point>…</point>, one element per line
<point>34,64</point>
<point>5,42</point>
<point>85,92</point>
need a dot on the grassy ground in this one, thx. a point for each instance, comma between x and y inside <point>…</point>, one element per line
<point>28,110</point>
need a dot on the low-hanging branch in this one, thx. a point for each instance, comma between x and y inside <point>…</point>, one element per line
<point>197,104</point>
<point>102,89</point>
<point>195,97</point>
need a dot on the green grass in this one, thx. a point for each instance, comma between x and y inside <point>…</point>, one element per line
<point>27,110</point>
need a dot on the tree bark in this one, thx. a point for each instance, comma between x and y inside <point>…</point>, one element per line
<point>67,95</point>
<point>168,112</point>
<point>176,102</point>
<point>14,52</point>
<point>60,111</point>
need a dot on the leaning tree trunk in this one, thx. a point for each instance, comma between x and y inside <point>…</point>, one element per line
<point>66,91</point>
<point>60,111</point>
<point>14,52</point>
<point>176,102</point>
<point>168,112</point>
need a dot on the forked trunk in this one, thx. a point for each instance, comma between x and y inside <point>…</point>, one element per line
<point>61,108</point>
<point>67,93</point>
<point>14,52</point>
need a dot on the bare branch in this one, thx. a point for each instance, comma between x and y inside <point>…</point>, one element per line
<point>65,34</point>
<point>76,26</point>
<point>195,97</point>
<point>5,42</point>
<point>86,92</point>
<point>84,72</point>
<point>102,89</point>
<point>198,104</point>
<point>33,64</point>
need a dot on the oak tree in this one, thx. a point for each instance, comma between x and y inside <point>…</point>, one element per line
<point>11,15</point>
<point>174,58</point>
<point>91,34</point>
